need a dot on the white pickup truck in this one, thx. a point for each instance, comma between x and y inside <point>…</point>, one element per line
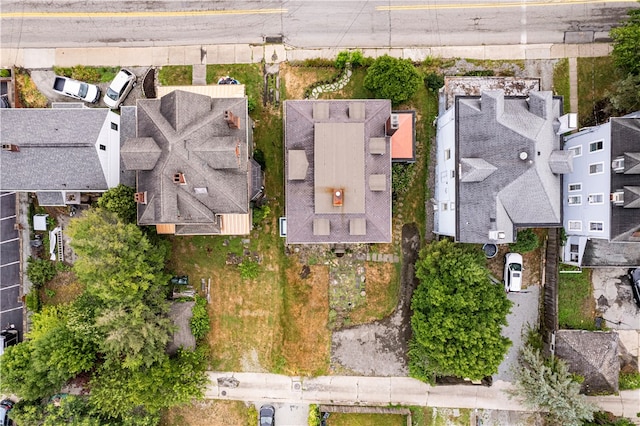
<point>76,89</point>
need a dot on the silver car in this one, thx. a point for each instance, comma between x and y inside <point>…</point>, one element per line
<point>119,88</point>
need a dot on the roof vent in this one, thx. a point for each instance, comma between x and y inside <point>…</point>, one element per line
<point>618,165</point>
<point>523,155</point>
<point>338,196</point>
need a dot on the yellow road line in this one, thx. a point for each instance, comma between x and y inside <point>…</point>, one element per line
<point>158,14</point>
<point>497,5</point>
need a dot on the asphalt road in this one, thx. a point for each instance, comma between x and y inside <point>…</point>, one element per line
<point>10,304</point>
<point>305,23</point>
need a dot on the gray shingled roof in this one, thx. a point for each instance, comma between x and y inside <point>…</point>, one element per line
<point>625,141</point>
<point>194,140</point>
<point>593,355</point>
<point>300,195</point>
<point>58,149</point>
<point>516,135</point>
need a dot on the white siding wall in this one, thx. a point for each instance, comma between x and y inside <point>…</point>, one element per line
<point>445,178</point>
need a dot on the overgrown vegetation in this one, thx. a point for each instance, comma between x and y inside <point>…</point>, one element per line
<point>548,386</point>
<point>199,323</point>
<point>457,315</point>
<point>119,200</point>
<point>628,381</point>
<point>28,94</point>
<point>526,241</point>
<point>561,84</point>
<point>88,74</point>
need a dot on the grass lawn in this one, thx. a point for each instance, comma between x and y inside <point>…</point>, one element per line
<point>596,77</point>
<point>349,419</point>
<point>576,306</point>
<point>431,416</point>
<point>176,75</point>
<point>561,85</point>
<point>248,74</point>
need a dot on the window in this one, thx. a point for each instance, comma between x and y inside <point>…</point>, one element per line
<point>596,226</point>
<point>575,225</point>
<point>577,150</point>
<point>575,187</point>
<point>447,154</point>
<point>596,198</point>
<point>596,146</point>
<point>596,168</point>
<point>103,147</point>
<point>444,207</point>
<point>573,248</point>
<point>114,126</point>
<point>575,200</point>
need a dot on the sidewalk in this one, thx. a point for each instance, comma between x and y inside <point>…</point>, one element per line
<point>273,53</point>
<point>384,391</point>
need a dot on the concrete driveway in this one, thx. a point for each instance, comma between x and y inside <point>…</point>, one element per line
<point>288,414</point>
<point>614,300</point>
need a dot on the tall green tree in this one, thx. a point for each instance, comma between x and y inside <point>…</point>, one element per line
<point>626,43</point>
<point>119,200</point>
<point>458,314</point>
<point>548,386</point>
<point>392,78</point>
<point>116,261</point>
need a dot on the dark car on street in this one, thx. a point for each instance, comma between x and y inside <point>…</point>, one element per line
<point>634,277</point>
<point>267,415</point>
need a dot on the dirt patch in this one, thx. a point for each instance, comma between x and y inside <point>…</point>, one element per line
<point>208,413</point>
<point>63,288</point>
<point>380,348</point>
<point>380,276</point>
<point>298,79</point>
<point>306,337</point>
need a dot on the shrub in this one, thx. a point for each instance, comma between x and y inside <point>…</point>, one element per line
<point>259,214</point>
<point>33,301</point>
<point>526,241</point>
<point>314,415</point>
<point>434,81</point>
<point>392,78</point>
<point>628,381</point>
<point>355,58</point>
<point>40,271</point>
<point>120,200</point>
<point>4,72</point>
<point>199,323</point>
<point>252,104</point>
<point>342,59</point>
<point>249,269</point>
<point>401,177</point>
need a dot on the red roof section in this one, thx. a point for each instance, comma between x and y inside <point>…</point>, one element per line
<point>402,139</point>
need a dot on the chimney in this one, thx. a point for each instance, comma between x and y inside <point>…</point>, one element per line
<point>338,195</point>
<point>10,147</point>
<point>232,120</point>
<point>140,197</point>
<point>392,124</point>
<point>179,179</point>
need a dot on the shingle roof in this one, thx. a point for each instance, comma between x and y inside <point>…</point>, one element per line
<point>61,144</point>
<point>517,136</point>
<point>625,142</point>
<point>593,355</point>
<point>370,224</point>
<point>196,141</point>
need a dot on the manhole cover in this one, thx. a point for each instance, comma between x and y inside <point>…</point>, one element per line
<point>297,386</point>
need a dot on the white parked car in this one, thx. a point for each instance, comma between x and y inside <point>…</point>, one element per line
<point>119,88</point>
<point>76,89</point>
<point>513,272</point>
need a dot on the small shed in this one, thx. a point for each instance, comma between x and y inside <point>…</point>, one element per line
<point>181,313</point>
<point>40,222</point>
<point>593,355</point>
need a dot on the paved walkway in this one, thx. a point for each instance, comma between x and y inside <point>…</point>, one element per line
<point>273,53</point>
<point>384,391</point>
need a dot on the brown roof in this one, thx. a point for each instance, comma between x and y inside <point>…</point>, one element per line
<point>334,136</point>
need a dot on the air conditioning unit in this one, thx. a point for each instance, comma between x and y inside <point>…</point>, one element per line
<point>617,198</point>
<point>617,165</point>
<point>395,122</point>
<point>497,235</point>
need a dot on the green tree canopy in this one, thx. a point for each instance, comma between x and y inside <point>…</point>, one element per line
<point>458,314</point>
<point>119,200</point>
<point>548,386</point>
<point>116,260</point>
<point>392,78</point>
<point>626,44</point>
